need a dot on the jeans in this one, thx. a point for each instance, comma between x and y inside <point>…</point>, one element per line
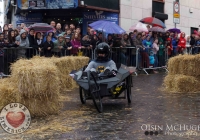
<point>175,51</point>
<point>195,50</point>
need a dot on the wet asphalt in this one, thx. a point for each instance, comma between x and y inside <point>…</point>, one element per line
<point>149,117</point>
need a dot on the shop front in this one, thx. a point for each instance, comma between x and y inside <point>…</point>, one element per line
<point>89,17</point>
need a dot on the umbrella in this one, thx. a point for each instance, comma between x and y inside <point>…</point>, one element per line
<point>140,27</point>
<point>41,27</point>
<point>157,29</point>
<point>107,27</point>
<point>175,30</point>
<point>153,21</point>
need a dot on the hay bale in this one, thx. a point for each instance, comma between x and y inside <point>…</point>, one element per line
<point>182,83</point>
<point>184,64</point>
<point>8,92</point>
<point>42,107</point>
<point>36,78</point>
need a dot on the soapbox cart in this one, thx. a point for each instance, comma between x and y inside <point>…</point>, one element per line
<point>91,88</point>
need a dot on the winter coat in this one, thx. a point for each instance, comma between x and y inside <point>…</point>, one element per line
<point>75,44</point>
<point>182,42</point>
<point>48,53</point>
<point>57,44</point>
<point>23,43</point>
<point>155,48</point>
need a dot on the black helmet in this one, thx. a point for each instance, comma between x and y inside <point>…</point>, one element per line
<point>103,48</point>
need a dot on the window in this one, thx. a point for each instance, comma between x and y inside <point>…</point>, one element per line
<point>158,7</point>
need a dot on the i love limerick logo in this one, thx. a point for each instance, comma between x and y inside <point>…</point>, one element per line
<point>15,118</point>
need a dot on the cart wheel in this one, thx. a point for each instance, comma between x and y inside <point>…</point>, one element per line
<point>82,95</point>
<point>97,101</point>
<point>129,96</point>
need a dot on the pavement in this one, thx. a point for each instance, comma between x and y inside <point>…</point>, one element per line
<point>151,114</point>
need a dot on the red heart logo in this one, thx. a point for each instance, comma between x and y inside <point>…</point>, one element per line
<point>15,119</point>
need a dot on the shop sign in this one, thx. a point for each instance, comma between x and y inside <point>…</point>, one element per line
<point>47,4</point>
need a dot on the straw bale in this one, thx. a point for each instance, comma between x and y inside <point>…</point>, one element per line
<point>182,83</point>
<point>36,77</point>
<point>8,92</point>
<point>184,64</point>
<point>42,107</point>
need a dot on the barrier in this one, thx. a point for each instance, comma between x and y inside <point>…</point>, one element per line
<point>12,54</point>
<point>154,61</point>
<point>130,56</point>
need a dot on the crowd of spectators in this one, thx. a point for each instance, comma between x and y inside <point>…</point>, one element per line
<point>152,49</point>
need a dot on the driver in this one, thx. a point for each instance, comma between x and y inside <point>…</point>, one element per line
<point>102,63</point>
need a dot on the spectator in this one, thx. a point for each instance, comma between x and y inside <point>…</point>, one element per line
<point>125,43</point>
<point>161,53</point>
<point>16,32</point>
<point>169,47</point>
<point>65,27</point>
<point>58,30</point>
<point>31,38</point>
<point>51,34</point>
<point>78,30</point>
<point>38,42</point>
<point>182,44</point>
<point>11,39</point>
<point>68,45</point>
<point>155,50</point>
<point>5,30</point>
<point>1,55</point>
<point>100,37</point>
<point>48,46</point>
<point>23,26</point>
<point>137,43</point>
<point>175,45</point>
<point>192,41</point>
<point>86,46</point>
<point>188,45</point>
<point>72,27</point>
<point>10,27</point>
<point>197,44</point>
<point>53,24</point>
<point>144,52</point>
<point>110,40</point>
<point>76,44</point>
<point>22,41</point>
<point>58,46</point>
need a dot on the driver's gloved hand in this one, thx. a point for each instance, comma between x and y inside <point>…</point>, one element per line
<point>111,73</point>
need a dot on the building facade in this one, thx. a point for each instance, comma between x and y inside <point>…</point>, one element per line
<point>131,11</point>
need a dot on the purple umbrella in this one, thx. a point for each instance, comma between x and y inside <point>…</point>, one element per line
<point>175,30</point>
<point>107,27</point>
<point>41,27</point>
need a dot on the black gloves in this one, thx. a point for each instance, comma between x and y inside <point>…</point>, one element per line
<point>112,73</point>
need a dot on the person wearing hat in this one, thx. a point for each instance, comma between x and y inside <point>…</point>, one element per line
<point>58,46</point>
<point>68,45</point>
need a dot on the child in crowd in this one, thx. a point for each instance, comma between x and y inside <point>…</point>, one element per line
<point>175,45</point>
<point>161,54</point>
<point>48,46</point>
<point>155,50</point>
<point>169,47</point>
<point>68,45</point>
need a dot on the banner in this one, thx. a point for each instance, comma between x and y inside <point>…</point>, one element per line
<point>28,18</point>
<point>47,4</point>
<point>89,17</point>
